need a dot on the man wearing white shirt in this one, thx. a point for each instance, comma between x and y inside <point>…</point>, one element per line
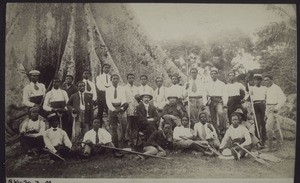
<point>275,100</point>
<point>56,101</point>
<point>176,89</point>
<point>131,92</point>
<point>144,88</point>
<point>103,82</point>
<point>236,93</point>
<point>160,95</point>
<point>89,85</point>
<point>259,95</point>
<point>117,106</point>
<point>218,98</point>
<point>197,96</point>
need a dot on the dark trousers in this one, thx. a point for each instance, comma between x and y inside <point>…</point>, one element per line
<point>260,112</point>
<point>234,102</point>
<point>28,143</point>
<point>132,129</point>
<point>67,124</point>
<point>102,106</point>
<point>62,150</point>
<point>118,123</point>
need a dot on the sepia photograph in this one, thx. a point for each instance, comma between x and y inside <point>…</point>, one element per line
<point>149,92</point>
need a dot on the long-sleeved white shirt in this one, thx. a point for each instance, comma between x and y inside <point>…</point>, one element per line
<point>145,89</point>
<point>217,88</point>
<point>103,81</point>
<point>200,89</point>
<point>275,96</point>
<point>233,89</point>
<point>181,131</point>
<point>130,92</point>
<point>198,131</point>
<point>93,88</point>
<point>54,96</point>
<point>29,125</point>
<point>160,100</point>
<point>53,138</point>
<point>121,97</point>
<point>258,93</point>
<point>235,133</point>
<point>29,91</point>
<point>177,90</point>
<point>104,136</point>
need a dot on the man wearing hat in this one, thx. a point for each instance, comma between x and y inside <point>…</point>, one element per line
<point>56,139</point>
<point>81,103</point>
<point>56,101</point>
<point>34,92</point>
<point>90,87</point>
<point>117,106</point>
<point>147,115</point>
<point>274,101</point>
<point>31,132</point>
<point>102,82</point>
<point>259,94</point>
<point>236,93</point>
<point>69,86</point>
<point>218,98</point>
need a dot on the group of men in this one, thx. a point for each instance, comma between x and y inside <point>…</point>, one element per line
<point>197,115</point>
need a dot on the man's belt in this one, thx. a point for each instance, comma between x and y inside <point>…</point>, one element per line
<point>259,102</point>
<point>271,104</point>
<point>235,96</point>
<point>58,104</point>
<point>36,99</point>
<point>117,104</point>
<point>195,97</point>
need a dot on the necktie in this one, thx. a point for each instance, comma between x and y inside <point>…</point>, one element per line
<point>81,98</point>
<point>115,94</point>
<point>194,87</point>
<point>158,91</point>
<point>54,129</point>
<point>106,79</point>
<point>203,133</point>
<point>97,137</point>
<point>36,87</point>
<point>88,86</point>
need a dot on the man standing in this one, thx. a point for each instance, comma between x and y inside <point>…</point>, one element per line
<point>103,82</point>
<point>258,94</point>
<point>236,93</point>
<point>160,95</point>
<point>177,89</point>
<point>131,92</point>
<point>89,85</point>
<point>81,103</point>
<point>69,86</point>
<point>56,101</point>
<point>144,88</point>
<point>34,92</point>
<point>117,105</point>
<point>275,100</point>
<point>218,98</point>
<point>197,96</point>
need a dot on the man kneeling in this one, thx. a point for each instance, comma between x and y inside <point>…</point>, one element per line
<point>95,138</point>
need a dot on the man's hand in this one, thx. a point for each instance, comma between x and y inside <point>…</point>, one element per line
<point>210,127</point>
<point>150,119</point>
<point>178,108</point>
<point>187,86</point>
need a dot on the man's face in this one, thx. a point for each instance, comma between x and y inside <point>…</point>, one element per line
<point>144,81</point>
<point>167,129</point>
<point>214,75</point>
<point>146,99</point>
<point>106,69</point>
<point>130,79</point>
<point>55,123</point>
<point>69,80</point>
<point>172,100</point>
<point>96,124</point>
<point>86,75</point>
<point>81,87</point>
<point>34,78</point>
<point>235,121</point>
<point>115,80</point>
<point>231,77</point>
<point>175,80</point>
<point>257,81</point>
<point>34,114</point>
<point>56,83</point>
<point>194,73</point>
<point>159,82</point>
<point>268,82</point>
<point>203,118</point>
<point>185,121</point>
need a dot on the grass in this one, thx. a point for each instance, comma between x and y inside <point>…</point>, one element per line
<point>182,165</point>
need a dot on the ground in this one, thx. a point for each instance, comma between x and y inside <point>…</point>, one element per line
<point>182,165</point>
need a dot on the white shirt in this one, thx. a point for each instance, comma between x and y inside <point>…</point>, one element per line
<point>160,100</point>
<point>130,92</point>
<point>218,88</point>
<point>103,81</point>
<point>233,89</point>
<point>209,134</point>
<point>93,88</point>
<point>178,90</point>
<point>29,91</point>
<point>54,138</point>
<point>121,97</point>
<point>181,131</point>
<point>81,97</point>
<point>235,133</point>
<point>201,91</point>
<point>54,96</point>
<point>104,136</point>
<point>275,96</point>
<point>258,93</point>
<point>145,89</point>
<point>29,125</point>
